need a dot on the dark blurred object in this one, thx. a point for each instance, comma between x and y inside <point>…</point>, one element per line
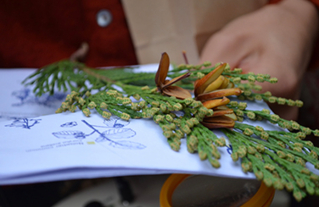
<point>309,201</point>
<point>94,204</point>
<point>42,194</point>
<point>309,112</point>
<point>125,190</point>
<point>3,199</point>
<point>309,117</point>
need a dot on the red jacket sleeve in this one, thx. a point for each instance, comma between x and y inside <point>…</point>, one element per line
<point>316,2</point>
<point>36,33</point>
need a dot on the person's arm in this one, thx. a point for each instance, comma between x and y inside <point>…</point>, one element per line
<point>277,39</point>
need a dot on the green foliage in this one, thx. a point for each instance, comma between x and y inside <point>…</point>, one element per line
<point>276,157</point>
<point>63,76</point>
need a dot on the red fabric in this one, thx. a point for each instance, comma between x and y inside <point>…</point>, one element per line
<point>36,32</point>
<point>316,2</point>
<point>276,1</point>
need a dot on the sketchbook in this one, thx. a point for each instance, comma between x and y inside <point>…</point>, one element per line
<point>37,145</point>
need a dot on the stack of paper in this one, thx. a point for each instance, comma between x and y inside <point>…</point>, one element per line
<point>36,148</point>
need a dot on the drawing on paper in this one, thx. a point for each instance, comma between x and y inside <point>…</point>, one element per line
<point>26,96</point>
<point>69,135</point>
<point>115,122</point>
<point>229,149</point>
<point>24,123</point>
<point>69,124</point>
<point>113,134</point>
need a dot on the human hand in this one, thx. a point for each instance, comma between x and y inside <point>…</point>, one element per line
<point>276,40</point>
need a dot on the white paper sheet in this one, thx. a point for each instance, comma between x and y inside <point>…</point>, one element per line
<point>18,101</point>
<point>72,146</point>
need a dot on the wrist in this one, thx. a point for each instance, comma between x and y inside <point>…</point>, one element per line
<point>305,16</point>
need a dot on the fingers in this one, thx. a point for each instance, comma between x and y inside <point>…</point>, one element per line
<point>288,85</point>
<point>222,47</point>
<point>274,65</point>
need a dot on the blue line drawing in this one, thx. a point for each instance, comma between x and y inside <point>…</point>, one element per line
<point>229,149</point>
<point>114,132</point>
<point>69,124</point>
<point>69,135</point>
<point>26,96</point>
<point>121,133</point>
<point>24,123</point>
<point>115,122</point>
